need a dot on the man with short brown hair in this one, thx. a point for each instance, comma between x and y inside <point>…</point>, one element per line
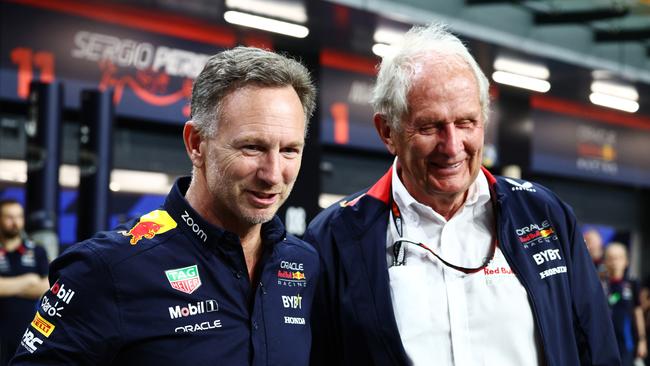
<point>212,277</point>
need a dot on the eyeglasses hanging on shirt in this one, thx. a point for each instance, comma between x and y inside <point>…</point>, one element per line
<point>399,247</point>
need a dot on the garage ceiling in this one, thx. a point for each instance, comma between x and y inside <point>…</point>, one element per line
<point>612,35</point>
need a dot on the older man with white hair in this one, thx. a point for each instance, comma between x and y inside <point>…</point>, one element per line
<point>440,262</point>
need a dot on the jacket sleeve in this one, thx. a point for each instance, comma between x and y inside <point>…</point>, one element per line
<point>77,321</point>
<point>596,340</point>
<point>326,340</point>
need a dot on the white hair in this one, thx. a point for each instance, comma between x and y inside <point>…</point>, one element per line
<point>397,69</point>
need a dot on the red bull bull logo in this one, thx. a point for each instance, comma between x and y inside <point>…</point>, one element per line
<point>151,224</point>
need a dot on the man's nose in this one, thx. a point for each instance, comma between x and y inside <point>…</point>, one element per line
<point>270,169</point>
<point>451,142</point>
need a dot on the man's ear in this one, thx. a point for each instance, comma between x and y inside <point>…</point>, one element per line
<point>385,131</point>
<point>193,140</point>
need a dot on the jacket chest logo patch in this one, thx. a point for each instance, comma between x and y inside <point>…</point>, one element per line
<point>292,274</point>
<point>549,257</point>
<point>184,279</point>
<point>292,302</point>
<point>536,233</point>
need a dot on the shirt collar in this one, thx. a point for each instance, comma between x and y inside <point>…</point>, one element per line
<point>479,192</point>
<point>202,231</point>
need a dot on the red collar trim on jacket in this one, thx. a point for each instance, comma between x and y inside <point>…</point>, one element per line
<point>381,189</point>
<point>490,178</point>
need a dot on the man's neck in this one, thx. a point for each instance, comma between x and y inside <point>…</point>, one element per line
<point>252,247</point>
<point>616,275</point>
<point>249,235</point>
<point>448,206</point>
<point>11,244</point>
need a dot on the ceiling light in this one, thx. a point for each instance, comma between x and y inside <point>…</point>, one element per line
<point>68,175</point>
<point>267,24</point>
<point>114,186</point>
<point>381,49</point>
<point>13,171</point>
<point>522,68</point>
<point>121,180</point>
<point>614,102</point>
<point>325,200</point>
<point>615,89</point>
<point>133,181</point>
<point>521,81</point>
<point>292,11</point>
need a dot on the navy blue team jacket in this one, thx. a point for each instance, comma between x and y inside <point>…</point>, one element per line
<point>171,289</point>
<point>352,316</point>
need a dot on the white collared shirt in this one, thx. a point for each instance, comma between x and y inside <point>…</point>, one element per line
<point>447,317</point>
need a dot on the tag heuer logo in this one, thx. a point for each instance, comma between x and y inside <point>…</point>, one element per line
<point>184,279</point>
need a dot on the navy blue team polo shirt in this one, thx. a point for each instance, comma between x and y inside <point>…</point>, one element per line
<point>171,289</point>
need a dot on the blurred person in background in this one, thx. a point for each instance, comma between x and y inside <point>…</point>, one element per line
<point>440,262</point>
<point>645,306</point>
<point>624,300</point>
<point>23,277</point>
<point>212,277</point>
<point>594,242</point>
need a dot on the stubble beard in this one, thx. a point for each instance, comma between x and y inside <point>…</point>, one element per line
<point>244,212</point>
<point>253,218</point>
<point>10,234</point>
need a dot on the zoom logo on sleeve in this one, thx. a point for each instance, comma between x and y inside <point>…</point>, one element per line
<point>196,229</point>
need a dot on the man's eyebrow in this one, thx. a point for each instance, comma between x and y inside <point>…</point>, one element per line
<point>250,139</point>
<point>256,140</point>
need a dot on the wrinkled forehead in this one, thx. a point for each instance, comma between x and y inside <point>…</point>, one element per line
<point>437,63</point>
<point>442,75</point>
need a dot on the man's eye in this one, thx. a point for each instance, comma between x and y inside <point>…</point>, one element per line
<point>252,148</point>
<point>290,152</point>
<point>428,129</point>
<point>466,123</point>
